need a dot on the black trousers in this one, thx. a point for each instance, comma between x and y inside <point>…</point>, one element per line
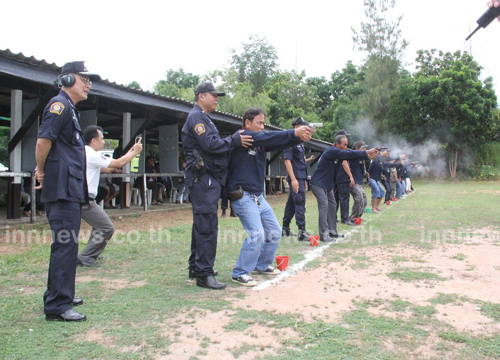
<point>343,191</point>
<point>387,186</point>
<point>205,195</point>
<point>296,205</point>
<point>64,219</point>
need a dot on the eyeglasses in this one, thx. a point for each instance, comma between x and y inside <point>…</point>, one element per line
<point>85,80</point>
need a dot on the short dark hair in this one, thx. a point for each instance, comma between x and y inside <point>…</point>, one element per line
<point>251,113</point>
<point>91,133</point>
<point>338,139</point>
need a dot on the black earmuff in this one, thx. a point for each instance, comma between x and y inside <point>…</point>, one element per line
<point>67,80</point>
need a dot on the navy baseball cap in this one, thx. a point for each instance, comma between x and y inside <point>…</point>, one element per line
<point>78,67</point>
<point>208,87</point>
<point>299,121</point>
<point>342,132</point>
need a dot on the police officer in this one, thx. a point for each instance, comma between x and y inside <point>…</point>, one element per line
<point>342,187</point>
<point>60,158</point>
<point>206,171</point>
<point>296,168</point>
<point>358,171</point>
<point>323,182</point>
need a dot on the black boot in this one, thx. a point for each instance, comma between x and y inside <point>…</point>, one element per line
<point>223,214</point>
<point>303,235</point>
<point>210,282</point>
<point>287,231</point>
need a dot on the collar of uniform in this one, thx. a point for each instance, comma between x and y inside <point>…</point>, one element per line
<point>63,93</point>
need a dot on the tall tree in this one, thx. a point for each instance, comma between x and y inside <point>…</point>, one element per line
<point>255,62</point>
<point>381,40</point>
<point>446,100</point>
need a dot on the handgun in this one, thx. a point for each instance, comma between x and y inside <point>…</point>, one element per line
<point>315,125</point>
<point>486,19</point>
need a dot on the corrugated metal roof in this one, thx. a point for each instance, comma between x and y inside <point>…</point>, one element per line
<point>23,66</point>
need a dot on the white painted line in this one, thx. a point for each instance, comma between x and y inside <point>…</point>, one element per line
<point>309,256</point>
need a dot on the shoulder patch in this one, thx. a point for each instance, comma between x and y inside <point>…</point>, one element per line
<point>199,128</point>
<point>57,108</point>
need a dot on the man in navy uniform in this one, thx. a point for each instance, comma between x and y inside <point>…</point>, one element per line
<point>247,171</point>
<point>296,168</point>
<point>323,183</point>
<point>206,171</point>
<point>60,159</point>
<point>358,171</point>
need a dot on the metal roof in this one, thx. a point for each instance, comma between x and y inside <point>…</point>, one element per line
<point>35,77</point>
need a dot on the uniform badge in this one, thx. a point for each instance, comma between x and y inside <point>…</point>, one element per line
<point>57,108</point>
<point>199,128</point>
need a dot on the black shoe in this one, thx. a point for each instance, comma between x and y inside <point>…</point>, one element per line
<point>100,257</point>
<point>332,235</point>
<point>192,273</point>
<point>348,222</point>
<point>223,214</point>
<point>70,315</point>
<point>303,235</point>
<point>287,232</point>
<point>87,264</point>
<point>77,301</point>
<point>327,239</point>
<point>233,214</point>
<point>210,282</point>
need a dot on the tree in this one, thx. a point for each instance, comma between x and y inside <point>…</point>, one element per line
<point>379,37</point>
<point>178,84</point>
<point>135,85</point>
<point>290,97</point>
<point>381,40</point>
<point>447,101</point>
<point>255,62</point>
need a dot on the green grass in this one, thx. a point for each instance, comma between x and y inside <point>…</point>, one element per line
<point>143,284</point>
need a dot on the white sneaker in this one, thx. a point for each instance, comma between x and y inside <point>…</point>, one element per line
<point>269,271</point>
<point>245,280</point>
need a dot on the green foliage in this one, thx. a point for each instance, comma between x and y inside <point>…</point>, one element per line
<point>4,154</point>
<point>255,62</point>
<point>178,84</point>
<point>135,85</point>
<point>290,97</point>
<point>378,36</point>
<point>446,101</point>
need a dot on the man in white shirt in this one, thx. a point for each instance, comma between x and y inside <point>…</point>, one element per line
<point>92,213</point>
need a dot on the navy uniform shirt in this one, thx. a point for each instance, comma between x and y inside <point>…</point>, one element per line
<point>375,169</point>
<point>358,170</point>
<point>297,155</point>
<point>342,176</point>
<point>65,167</point>
<point>247,167</point>
<point>200,133</point>
<point>326,172</point>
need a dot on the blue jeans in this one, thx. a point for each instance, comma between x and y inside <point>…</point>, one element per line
<point>264,234</point>
<point>400,188</point>
<point>377,189</point>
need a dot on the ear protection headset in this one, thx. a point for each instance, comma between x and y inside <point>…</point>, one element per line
<point>67,80</point>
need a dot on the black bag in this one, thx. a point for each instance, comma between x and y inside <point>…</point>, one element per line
<point>236,194</point>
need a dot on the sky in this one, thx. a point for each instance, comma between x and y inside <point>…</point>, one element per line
<point>125,41</point>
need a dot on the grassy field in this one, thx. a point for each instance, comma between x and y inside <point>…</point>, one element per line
<point>143,284</point>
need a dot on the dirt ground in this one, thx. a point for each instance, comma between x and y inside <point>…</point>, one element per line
<point>471,270</point>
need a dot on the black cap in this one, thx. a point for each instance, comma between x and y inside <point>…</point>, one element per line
<point>342,132</point>
<point>359,144</point>
<point>78,67</point>
<point>208,87</point>
<point>299,121</point>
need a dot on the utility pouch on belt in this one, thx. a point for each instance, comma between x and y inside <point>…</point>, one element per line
<point>236,194</point>
<point>198,168</point>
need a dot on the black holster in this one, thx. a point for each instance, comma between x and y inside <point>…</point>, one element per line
<point>236,194</point>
